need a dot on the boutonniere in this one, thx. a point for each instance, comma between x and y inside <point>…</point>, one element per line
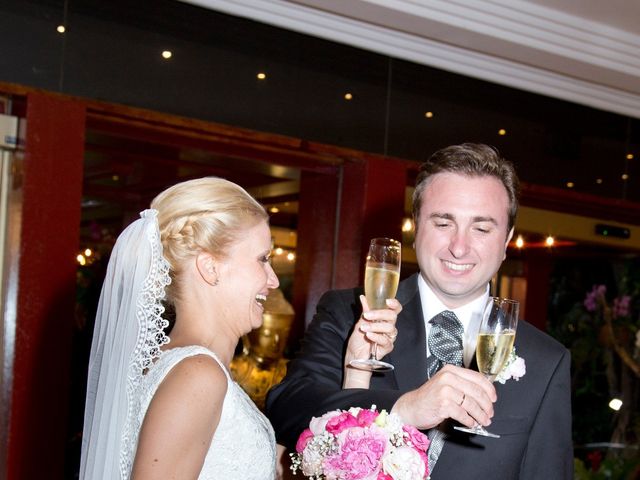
<point>515,368</point>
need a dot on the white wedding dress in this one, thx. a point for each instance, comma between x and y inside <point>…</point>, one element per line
<point>243,446</point>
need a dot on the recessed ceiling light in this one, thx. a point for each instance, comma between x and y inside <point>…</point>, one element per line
<point>348,96</point>
<point>274,209</point>
<point>625,176</point>
<point>502,131</point>
<point>519,241</point>
<point>428,114</point>
<point>570,184</point>
<point>629,156</point>
<point>167,54</point>
<point>261,76</point>
<point>549,241</point>
<point>61,29</point>
<point>599,181</point>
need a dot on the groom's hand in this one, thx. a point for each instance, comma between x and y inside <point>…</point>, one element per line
<point>454,392</point>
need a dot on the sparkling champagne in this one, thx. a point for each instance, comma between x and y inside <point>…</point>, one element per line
<point>379,284</point>
<point>492,351</point>
<point>381,277</point>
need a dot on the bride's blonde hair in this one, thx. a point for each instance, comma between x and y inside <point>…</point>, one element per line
<point>207,214</point>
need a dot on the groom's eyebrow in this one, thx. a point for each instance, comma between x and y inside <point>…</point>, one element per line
<point>481,219</point>
<point>442,216</point>
<point>476,219</point>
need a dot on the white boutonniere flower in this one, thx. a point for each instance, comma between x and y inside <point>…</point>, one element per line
<point>515,368</point>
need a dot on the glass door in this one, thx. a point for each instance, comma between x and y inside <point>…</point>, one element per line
<point>10,214</point>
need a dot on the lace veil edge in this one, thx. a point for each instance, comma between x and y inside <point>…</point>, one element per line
<point>128,336</point>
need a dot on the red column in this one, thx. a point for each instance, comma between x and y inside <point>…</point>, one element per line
<point>315,245</point>
<point>538,268</point>
<point>372,205</point>
<point>352,211</point>
<point>52,188</point>
<point>338,215</point>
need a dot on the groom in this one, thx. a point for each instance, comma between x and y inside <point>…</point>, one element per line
<point>464,207</point>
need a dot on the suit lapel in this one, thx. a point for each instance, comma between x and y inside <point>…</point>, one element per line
<point>409,353</point>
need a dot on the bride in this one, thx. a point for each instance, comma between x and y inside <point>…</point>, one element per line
<point>167,408</point>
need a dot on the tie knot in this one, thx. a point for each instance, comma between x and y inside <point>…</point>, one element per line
<point>446,319</point>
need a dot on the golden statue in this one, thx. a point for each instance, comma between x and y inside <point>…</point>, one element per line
<point>261,364</point>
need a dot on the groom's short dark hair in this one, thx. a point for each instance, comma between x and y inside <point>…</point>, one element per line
<point>473,160</point>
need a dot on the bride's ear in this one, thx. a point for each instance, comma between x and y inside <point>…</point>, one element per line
<point>206,266</point>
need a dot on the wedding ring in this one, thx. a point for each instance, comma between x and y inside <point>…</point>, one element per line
<point>462,401</point>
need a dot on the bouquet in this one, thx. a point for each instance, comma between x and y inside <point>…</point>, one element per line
<point>361,444</point>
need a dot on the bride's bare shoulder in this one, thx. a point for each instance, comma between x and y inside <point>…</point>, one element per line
<point>197,374</point>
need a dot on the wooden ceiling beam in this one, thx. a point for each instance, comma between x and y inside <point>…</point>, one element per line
<point>261,147</point>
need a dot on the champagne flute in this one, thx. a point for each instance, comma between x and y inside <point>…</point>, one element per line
<point>381,277</point>
<point>495,341</point>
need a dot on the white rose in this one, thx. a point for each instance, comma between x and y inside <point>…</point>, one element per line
<point>518,368</point>
<point>515,368</point>
<point>393,423</point>
<point>354,411</point>
<point>404,463</point>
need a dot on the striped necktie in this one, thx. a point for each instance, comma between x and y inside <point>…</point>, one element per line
<point>445,347</point>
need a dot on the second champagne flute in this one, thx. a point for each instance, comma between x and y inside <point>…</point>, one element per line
<point>381,278</point>
<point>495,341</point>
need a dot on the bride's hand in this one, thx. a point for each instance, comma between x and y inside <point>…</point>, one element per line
<point>374,326</point>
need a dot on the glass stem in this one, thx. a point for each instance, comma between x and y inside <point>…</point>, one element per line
<point>374,352</point>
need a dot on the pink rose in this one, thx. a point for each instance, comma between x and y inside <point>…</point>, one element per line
<point>416,437</point>
<point>343,421</point>
<point>319,424</point>
<point>359,453</point>
<point>383,476</point>
<point>366,417</point>
<point>304,438</point>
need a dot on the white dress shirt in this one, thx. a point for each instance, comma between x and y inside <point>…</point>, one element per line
<point>470,315</point>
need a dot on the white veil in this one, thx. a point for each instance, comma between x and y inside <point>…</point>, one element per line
<point>127,338</point>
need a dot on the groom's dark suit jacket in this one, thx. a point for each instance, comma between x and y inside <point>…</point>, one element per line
<point>532,415</point>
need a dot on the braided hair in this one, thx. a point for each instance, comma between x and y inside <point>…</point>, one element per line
<point>206,214</point>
